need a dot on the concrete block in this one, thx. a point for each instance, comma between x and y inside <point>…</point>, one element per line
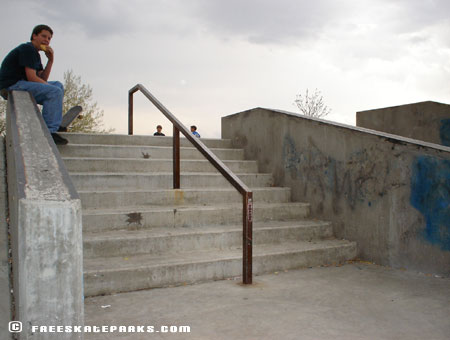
<point>45,218</point>
<point>427,121</point>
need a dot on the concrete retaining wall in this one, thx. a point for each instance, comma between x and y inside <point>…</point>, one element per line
<point>45,224</point>
<point>390,194</point>
<point>5,286</point>
<point>426,121</point>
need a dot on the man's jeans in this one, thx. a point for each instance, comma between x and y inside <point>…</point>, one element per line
<point>49,95</point>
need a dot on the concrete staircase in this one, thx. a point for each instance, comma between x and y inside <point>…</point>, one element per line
<point>138,233</point>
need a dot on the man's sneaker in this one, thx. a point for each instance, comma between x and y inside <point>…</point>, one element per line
<point>58,139</point>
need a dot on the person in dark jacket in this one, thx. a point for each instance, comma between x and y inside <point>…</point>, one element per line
<point>22,70</point>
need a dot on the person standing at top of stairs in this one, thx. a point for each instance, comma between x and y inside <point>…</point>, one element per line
<point>158,131</point>
<point>194,131</point>
<point>22,70</point>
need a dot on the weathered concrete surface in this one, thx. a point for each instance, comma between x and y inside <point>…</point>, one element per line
<point>352,302</point>
<point>45,218</point>
<point>427,121</point>
<point>5,285</point>
<point>389,194</point>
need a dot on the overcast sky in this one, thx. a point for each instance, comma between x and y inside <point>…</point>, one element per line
<point>205,59</point>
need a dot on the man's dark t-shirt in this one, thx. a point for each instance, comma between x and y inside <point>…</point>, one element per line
<point>13,66</point>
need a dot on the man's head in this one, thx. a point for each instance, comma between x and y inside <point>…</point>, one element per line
<point>159,128</point>
<point>193,128</point>
<point>41,35</point>
<point>39,28</point>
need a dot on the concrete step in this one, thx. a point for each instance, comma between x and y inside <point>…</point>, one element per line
<point>142,152</point>
<point>180,239</point>
<point>204,196</point>
<point>79,164</point>
<point>162,180</point>
<point>108,275</point>
<point>114,139</point>
<point>145,217</point>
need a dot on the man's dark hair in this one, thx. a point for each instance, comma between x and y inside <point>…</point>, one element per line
<point>39,28</point>
<point>159,126</point>
<point>193,127</point>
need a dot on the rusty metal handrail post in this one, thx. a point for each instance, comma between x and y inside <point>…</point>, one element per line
<point>176,158</point>
<point>130,110</point>
<point>247,237</point>
<point>247,195</point>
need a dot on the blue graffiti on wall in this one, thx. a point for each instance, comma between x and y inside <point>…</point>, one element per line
<point>444,132</point>
<point>430,194</point>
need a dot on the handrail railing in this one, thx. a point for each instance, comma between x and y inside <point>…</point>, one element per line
<point>247,195</point>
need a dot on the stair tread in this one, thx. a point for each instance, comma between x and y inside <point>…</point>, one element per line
<point>136,136</point>
<point>152,208</point>
<point>206,189</point>
<point>175,231</point>
<point>72,145</point>
<point>152,159</point>
<point>100,173</point>
<point>135,262</point>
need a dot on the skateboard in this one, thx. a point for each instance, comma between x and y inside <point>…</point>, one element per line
<point>69,117</point>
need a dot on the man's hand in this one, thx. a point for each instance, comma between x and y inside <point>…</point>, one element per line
<point>44,74</point>
<point>49,53</point>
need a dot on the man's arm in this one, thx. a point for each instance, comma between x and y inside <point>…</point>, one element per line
<point>32,76</point>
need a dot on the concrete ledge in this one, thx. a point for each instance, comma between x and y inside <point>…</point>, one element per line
<point>400,139</point>
<point>46,225</point>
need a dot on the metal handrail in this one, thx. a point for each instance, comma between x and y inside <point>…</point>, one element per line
<point>247,195</point>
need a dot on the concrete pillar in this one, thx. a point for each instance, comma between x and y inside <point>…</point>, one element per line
<point>45,223</point>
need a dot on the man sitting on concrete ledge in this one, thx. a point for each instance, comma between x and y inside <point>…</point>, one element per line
<point>22,70</point>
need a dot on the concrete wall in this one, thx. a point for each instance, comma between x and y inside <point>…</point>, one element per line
<point>45,225</point>
<point>426,121</point>
<point>5,286</point>
<point>390,194</point>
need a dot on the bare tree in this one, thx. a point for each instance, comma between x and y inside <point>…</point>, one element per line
<point>77,93</point>
<point>312,105</point>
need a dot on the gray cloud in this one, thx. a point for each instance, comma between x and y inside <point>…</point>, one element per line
<point>266,21</point>
<point>100,19</point>
<point>294,21</point>
<point>258,21</point>
<point>415,15</point>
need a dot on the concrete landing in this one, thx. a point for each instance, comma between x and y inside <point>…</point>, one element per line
<point>354,301</point>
